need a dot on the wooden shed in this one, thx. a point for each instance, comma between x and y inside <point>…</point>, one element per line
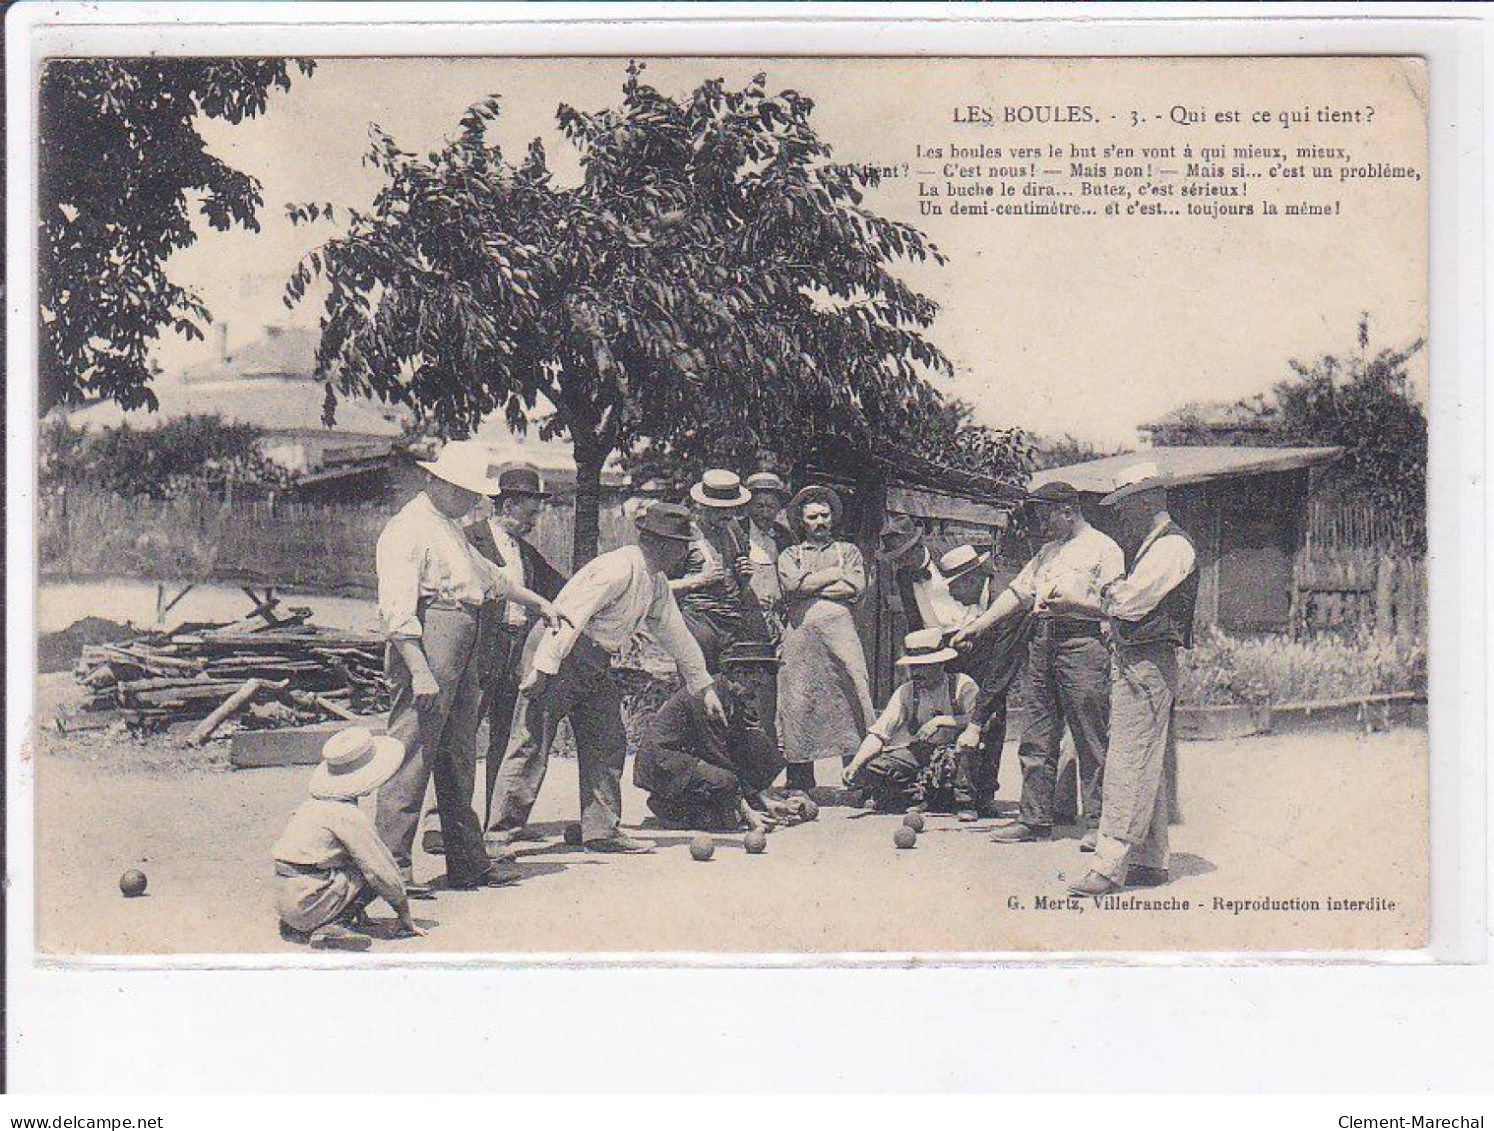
<point>1246,509</point>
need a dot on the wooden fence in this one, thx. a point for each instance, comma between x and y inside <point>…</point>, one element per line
<point>1357,571</point>
<point>312,546</point>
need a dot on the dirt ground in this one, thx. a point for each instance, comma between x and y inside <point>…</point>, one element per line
<point>1338,816</point>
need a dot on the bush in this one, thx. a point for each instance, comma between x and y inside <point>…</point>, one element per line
<point>185,456</point>
<point>1225,670</point>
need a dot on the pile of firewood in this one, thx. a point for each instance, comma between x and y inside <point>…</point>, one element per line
<point>284,675</point>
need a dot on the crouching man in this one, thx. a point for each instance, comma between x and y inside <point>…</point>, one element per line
<point>909,749</point>
<point>330,863</point>
<point>701,774</point>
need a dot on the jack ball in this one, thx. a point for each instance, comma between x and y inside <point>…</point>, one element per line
<point>702,848</point>
<point>755,841</point>
<point>132,883</point>
<point>914,821</point>
<point>904,837</point>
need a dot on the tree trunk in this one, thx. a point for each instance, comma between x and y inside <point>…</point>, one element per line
<point>589,460</point>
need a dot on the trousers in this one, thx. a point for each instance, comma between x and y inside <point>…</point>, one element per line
<point>1133,827</point>
<point>976,770</point>
<point>307,899</point>
<point>583,691</point>
<point>440,743</point>
<point>704,798</point>
<point>1068,684</point>
<point>891,776</point>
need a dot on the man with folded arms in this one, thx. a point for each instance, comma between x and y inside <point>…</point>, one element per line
<point>609,599</point>
<point>1068,665</point>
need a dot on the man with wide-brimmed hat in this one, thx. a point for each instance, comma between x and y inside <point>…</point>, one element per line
<point>609,599</point>
<point>925,713</point>
<point>701,774</point>
<point>432,588</point>
<point>714,588</point>
<point>329,862</point>
<point>1067,661</point>
<point>517,495</point>
<point>1151,615</point>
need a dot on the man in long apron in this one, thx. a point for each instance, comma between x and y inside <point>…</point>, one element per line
<point>609,599</point>
<point>432,586</point>
<point>1151,614</point>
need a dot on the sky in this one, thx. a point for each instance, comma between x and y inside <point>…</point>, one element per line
<point>1087,327</point>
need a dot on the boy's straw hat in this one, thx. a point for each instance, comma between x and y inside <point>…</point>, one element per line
<point>355,761</point>
<point>925,646</point>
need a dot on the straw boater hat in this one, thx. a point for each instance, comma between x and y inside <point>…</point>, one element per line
<point>925,646</point>
<point>1146,476</point>
<point>666,520</point>
<point>720,488</point>
<point>899,535</point>
<point>516,481</point>
<point>355,761</point>
<point>464,463</point>
<point>956,563</point>
<point>760,481</point>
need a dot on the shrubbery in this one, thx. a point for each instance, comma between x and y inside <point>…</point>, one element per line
<point>1223,670</point>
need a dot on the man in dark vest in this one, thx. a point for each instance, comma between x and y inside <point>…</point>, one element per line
<point>519,497</point>
<point>1151,617</point>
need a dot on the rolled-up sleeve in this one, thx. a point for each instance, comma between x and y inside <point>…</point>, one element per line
<point>397,560</point>
<point>369,853</point>
<point>853,570</point>
<point>791,570</point>
<point>891,719</point>
<point>668,628</point>
<point>1163,567</point>
<point>1024,585</point>
<point>579,601</point>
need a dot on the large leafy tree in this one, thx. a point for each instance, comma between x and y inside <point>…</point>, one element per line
<point>121,170</point>
<point>714,264</point>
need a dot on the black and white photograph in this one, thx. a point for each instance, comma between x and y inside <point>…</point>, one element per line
<point>799,506</point>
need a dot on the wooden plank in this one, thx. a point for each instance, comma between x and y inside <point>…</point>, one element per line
<point>927,504</point>
<point>292,746</point>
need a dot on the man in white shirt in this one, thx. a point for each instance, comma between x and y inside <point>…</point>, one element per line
<point>608,600</point>
<point>432,586</point>
<point>1151,615</point>
<point>1068,665</point>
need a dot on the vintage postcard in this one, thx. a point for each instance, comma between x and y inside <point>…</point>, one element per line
<point>731,506</point>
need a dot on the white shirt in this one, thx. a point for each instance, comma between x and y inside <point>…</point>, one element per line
<point>936,607</point>
<point>762,551</point>
<point>899,723</point>
<point>1162,562</point>
<point>513,567</point>
<point>1079,566</point>
<point>612,597</point>
<point>423,554</point>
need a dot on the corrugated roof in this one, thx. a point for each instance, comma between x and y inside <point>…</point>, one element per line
<point>1185,465</point>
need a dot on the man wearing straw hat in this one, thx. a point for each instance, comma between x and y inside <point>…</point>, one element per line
<point>927,711</point>
<point>612,597</point>
<point>1068,666</point>
<point>330,863</point>
<point>432,587</point>
<point>518,496</point>
<point>1151,616</point>
<point>715,591</point>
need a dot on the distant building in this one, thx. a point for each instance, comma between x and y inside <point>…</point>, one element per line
<point>1247,423</point>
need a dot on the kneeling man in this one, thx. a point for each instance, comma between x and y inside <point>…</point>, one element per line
<point>701,774</point>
